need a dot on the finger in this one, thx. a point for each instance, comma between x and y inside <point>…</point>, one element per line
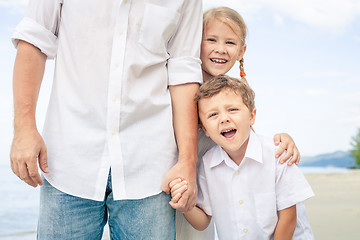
<point>24,175</point>
<point>190,200</point>
<point>285,157</point>
<point>34,173</point>
<point>280,150</point>
<point>174,182</point>
<point>295,158</point>
<point>182,203</point>
<point>177,205</point>
<point>298,160</point>
<point>176,198</point>
<point>180,190</point>
<point>277,139</point>
<point>43,163</point>
<point>14,167</point>
<point>177,186</point>
<point>165,186</point>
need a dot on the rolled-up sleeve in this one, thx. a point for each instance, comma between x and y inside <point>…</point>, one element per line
<point>184,64</point>
<point>40,26</point>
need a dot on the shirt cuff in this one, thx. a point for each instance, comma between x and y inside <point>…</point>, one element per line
<point>184,70</point>
<point>296,198</point>
<point>30,31</point>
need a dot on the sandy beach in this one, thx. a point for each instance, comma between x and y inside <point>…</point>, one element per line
<point>334,212</point>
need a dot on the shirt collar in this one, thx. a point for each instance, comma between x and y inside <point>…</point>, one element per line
<point>253,151</point>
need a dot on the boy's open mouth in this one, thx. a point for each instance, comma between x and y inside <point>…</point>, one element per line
<point>218,60</point>
<point>228,133</point>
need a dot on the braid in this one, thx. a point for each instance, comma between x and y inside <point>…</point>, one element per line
<point>242,75</point>
<point>242,71</point>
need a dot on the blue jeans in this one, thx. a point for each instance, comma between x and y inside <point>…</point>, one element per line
<point>63,216</point>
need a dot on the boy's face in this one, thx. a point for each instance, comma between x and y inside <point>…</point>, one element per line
<point>227,120</point>
<point>220,48</point>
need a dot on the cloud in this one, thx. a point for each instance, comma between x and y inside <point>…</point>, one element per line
<point>330,15</point>
<point>13,3</point>
<point>327,74</point>
<point>278,20</point>
<point>350,120</point>
<point>14,6</point>
<point>316,92</point>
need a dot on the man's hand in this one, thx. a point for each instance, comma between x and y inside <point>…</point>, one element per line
<point>27,148</point>
<point>182,170</point>
<point>288,144</point>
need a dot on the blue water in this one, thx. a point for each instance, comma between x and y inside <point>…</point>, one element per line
<point>19,204</point>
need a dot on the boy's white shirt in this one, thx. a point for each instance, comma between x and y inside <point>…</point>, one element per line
<point>244,199</point>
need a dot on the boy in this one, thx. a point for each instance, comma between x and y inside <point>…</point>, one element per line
<point>249,194</point>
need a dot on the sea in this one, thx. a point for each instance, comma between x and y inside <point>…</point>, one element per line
<point>19,204</point>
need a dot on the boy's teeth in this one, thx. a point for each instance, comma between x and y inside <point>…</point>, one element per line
<point>228,133</point>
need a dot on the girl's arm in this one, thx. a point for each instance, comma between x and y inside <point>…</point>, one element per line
<point>288,144</point>
<point>286,225</point>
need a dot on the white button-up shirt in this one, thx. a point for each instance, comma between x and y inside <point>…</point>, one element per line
<point>110,105</point>
<point>244,199</point>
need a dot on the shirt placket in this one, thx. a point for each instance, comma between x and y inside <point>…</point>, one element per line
<point>114,100</point>
<point>240,201</point>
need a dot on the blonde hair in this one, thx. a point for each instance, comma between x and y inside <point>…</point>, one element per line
<point>221,82</point>
<point>231,18</point>
<point>228,16</point>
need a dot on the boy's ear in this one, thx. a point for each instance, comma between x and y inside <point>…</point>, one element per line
<point>241,52</point>
<point>204,129</point>
<point>252,116</point>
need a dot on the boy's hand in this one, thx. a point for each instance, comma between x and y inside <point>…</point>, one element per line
<point>288,144</point>
<point>186,171</point>
<point>177,188</point>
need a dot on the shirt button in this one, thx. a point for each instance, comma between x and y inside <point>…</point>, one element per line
<point>113,132</point>
<point>125,1</point>
<point>241,202</point>
<point>245,230</point>
<point>116,65</point>
<point>120,32</point>
<point>114,99</point>
<point>237,172</point>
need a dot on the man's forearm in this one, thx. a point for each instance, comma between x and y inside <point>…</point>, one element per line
<point>185,120</point>
<point>28,73</point>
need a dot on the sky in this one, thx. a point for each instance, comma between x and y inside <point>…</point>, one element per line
<point>302,60</point>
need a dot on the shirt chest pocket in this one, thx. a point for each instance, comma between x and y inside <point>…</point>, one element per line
<point>157,27</point>
<point>266,213</point>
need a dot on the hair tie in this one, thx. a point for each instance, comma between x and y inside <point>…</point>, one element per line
<point>242,74</point>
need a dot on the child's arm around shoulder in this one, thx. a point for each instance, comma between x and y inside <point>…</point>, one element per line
<point>196,216</point>
<point>286,224</point>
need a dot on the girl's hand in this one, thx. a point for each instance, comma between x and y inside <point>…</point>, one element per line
<point>288,144</point>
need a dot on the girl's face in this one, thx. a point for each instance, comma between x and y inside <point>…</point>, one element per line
<point>220,49</point>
